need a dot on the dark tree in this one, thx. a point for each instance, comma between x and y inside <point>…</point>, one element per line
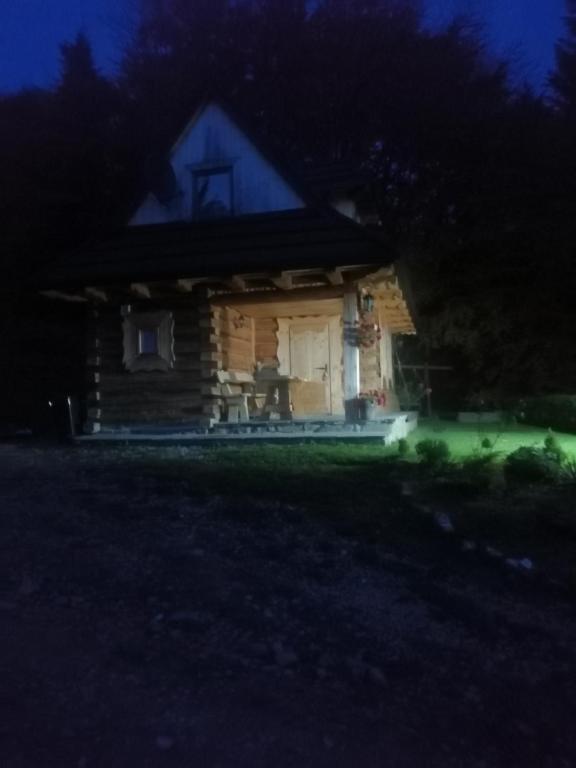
<point>92,144</point>
<point>563,79</point>
<point>64,161</point>
<point>77,68</point>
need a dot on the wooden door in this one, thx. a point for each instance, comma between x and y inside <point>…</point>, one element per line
<point>310,361</point>
<point>310,352</point>
<point>310,349</point>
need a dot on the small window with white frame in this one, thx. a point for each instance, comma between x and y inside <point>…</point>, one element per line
<point>148,341</point>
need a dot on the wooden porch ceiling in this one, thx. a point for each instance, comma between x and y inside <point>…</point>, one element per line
<point>265,294</point>
<point>290,308</point>
<point>241,286</point>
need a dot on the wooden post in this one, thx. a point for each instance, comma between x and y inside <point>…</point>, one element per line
<point>92,424</point>
<point>210,360</point>
<point>351,352</point>
<point>428,390</point>
<point>426,368</point>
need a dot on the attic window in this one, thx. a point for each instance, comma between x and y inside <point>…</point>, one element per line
<point>213,192</point>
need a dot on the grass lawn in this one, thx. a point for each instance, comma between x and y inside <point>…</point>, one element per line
<point>302,472</point>
<point>360,489</point>
<point>331,475</point>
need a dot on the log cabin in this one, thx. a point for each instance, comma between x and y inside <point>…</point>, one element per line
<point>237,294</point>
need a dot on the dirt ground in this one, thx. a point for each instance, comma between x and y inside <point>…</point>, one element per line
<point>140,626</point>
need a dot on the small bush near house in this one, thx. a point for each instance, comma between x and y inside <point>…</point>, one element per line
<point>553,447</point>
<point>532,465</point>
<point>552,412</point>
<point>569,470</point>
<point>403,447</point>
<point>479,471</point>
<point>433,452</point>
<point>480,462</point>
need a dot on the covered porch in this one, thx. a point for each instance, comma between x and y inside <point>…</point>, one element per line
<point>317,346</point>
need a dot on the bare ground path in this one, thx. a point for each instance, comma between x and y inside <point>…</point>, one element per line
<point>140,626</point>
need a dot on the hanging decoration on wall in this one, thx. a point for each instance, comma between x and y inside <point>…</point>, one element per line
<point>363,333</point>
<point>369,332</point>
<point>240,322</point>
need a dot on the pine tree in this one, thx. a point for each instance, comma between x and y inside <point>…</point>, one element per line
<point>563,79</point>
<point>77,66</point>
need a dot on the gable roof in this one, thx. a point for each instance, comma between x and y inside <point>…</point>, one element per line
<point>164,185</point>
<point>263,147</point>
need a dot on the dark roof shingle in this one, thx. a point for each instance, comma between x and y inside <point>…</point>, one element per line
<point>296,239</point>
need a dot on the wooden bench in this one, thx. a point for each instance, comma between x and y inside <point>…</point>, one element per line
<point>237,389</point>
<point>269,396</point>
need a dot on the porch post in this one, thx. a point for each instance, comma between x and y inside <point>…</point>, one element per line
<point>210,361</point>
<point>351,352</point>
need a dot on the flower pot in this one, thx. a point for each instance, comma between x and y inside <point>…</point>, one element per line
<point>352,409</point>
<point>369,410</point>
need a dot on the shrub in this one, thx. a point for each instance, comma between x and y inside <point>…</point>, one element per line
<point>486,444</point>
<point>403,447</point>
<point>551,411</point>
<point>569,470</point>
<point>433,452</point>
<point>532,465</point>
<point>479,469</point>
<point>553,447</point>
<point>480,460</point>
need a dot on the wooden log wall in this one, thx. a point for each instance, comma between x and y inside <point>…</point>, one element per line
<point>266,341</point>
<point>236,334</point>
<point>207,339</point>
<point>155,397</point>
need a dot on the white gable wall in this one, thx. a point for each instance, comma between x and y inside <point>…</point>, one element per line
<point>150,212</point>
<point>347,207</point>
<point>213,138</point>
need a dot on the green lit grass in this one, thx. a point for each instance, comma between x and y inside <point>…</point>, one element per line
<point>465,439</point>
<point>335,471</point>
<point>336,476</point>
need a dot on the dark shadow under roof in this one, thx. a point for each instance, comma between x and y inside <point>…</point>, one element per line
<point>298,239</point>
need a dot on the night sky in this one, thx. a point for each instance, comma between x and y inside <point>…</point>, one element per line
<point>30,31</point>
